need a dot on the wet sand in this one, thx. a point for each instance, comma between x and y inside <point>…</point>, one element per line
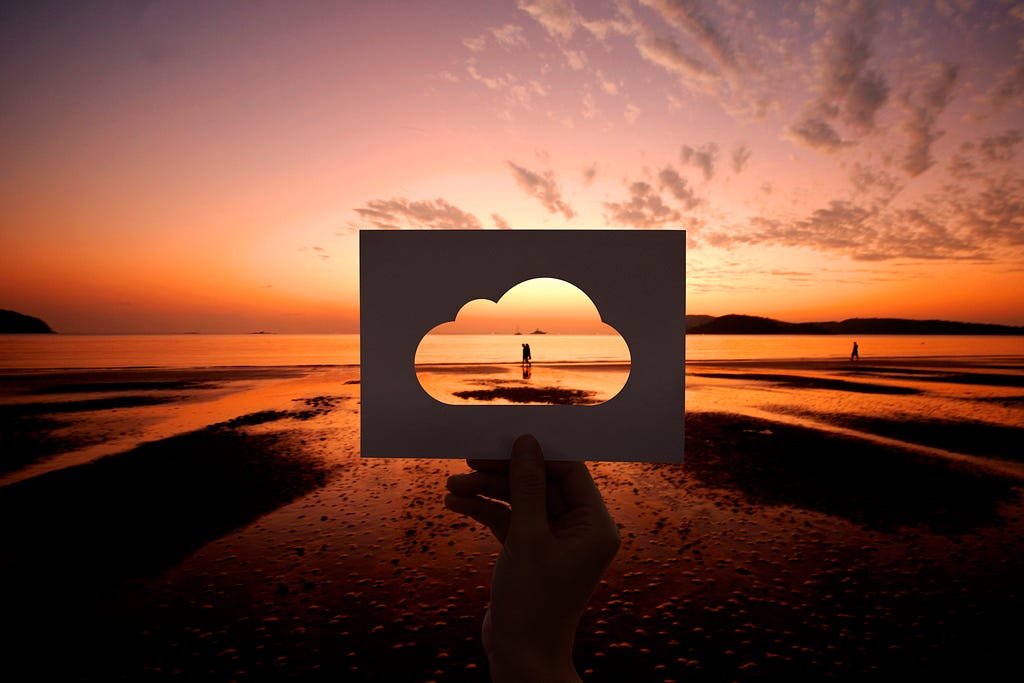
<point>235,534</point>
<point>514,383</point>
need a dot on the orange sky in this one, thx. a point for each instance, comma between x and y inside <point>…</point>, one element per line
<point>548,304</point>
<point>198,166</point>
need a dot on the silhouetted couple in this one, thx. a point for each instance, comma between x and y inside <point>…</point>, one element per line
<point>526,354</point>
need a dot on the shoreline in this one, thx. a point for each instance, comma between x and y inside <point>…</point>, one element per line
<point>242,536</point>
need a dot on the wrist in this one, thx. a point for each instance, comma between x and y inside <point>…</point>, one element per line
<point>526,665</point>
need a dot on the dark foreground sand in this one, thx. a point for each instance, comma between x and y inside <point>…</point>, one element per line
<point>261,546</point>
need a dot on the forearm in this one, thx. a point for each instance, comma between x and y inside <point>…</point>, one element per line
<point>523,666</point>
<point>527,643</point>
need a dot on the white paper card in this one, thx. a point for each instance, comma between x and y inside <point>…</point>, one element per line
<point>413,280</point>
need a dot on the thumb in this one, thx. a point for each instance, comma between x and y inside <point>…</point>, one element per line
<point>527,487</point>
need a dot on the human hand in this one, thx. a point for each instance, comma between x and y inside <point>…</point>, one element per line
<point>557,540</point>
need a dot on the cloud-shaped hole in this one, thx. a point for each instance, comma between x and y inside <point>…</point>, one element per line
<point>477,358</point>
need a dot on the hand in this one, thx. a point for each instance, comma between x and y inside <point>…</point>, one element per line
<point>557,540</point>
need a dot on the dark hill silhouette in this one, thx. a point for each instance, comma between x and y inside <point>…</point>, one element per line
<point>903,326</point>
<point>18,323</point>
<point>749,324</point>
<point>695,321</point>
<point>752,324</point>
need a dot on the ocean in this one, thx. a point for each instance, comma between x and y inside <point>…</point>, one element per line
<point>63,351</point>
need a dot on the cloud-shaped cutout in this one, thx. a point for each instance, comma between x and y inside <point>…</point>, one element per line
<point>575,357</point>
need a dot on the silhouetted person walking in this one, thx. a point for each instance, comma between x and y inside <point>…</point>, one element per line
<point>526,354</point>
<point>855,354</point>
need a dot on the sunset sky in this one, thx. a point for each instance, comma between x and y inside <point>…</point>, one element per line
<point>206,166</point>
<point>547,304</point>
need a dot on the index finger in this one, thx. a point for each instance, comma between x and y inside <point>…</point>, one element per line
<point>489,466</point>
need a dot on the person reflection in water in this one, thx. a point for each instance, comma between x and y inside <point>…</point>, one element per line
<point>855,354</point>
<point>527,371</point>
<point>526,354</point>
<point>557,539</point>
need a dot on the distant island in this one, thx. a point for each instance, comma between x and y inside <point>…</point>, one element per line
<point>12,322</point>
<point>751,324</point>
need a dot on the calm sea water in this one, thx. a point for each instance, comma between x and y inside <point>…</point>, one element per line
<point>112,351</point>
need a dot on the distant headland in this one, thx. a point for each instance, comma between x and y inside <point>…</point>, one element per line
<point>751,324</point>
<point>18,323</point>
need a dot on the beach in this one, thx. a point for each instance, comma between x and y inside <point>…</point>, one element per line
<point>830,521</point>
<point>579,384</point>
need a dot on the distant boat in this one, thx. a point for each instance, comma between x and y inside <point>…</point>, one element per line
<point>517,330</point>
<point>538,331</point>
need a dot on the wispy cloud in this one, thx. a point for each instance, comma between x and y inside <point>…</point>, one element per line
<point>973,157</point>
<point>669,178</point>
<point>490,82</point>
<point>475,44</point>
<point>815,132</point>
<point>319,252</point>
<point>401,213</point>
<point>558,17</point>
<point>1002,147</point>
<point>577,59</point>
<point>820,68</point>
<point>740,157</point>
<point>500,223</point>
<point>589,106</point>
<point>667,54</point>
<point>509,36</point>
<point>686,16</point>
<point>644,209</point>
<point>1009,85</point>
<point>849,89</point>
<point>873,184</point>
<point>589,173</point>
<point>995,214</point>
<point>923,107</point>
<point>631,113</point>
<point>703,158</point>
<point>606,84</point>
<point>957,223</point>
<point>518,92</point>
<point>543,187</point>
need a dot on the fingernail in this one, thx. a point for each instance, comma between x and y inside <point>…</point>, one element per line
<point>527,446</point>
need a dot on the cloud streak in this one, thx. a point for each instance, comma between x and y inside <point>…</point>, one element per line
<point>740,157</point>
<point>923,107</point>
<point>703,158</point>
<point>403,214</point>
<point>702,31</point>
<point>667,54</point>
<point>849,90</point>
<point>543,187</point>
<point>820,68</point>
<point>644,209</point>
<point>558,17</point>
<point>669,178</point>
<point>958,223</point>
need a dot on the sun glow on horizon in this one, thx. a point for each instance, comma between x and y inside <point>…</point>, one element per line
<point>188,166</point>
<point>548,304</point>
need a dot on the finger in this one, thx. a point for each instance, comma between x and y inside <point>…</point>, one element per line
<point>492,515</point>
<point>479,484</point>
<point>499,467</point>
<point>527,485</point>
